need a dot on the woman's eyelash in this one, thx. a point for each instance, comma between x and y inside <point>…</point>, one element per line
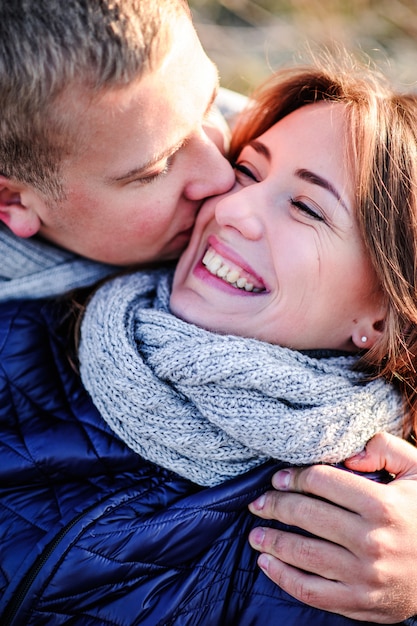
<point>298,204</point>
<point>307,210</point>
<point>245,170</point>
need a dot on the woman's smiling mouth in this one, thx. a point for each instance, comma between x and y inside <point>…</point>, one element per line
<point>230,273</point>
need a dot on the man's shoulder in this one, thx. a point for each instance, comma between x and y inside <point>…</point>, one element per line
<point>28,331</point>
<point>39,312</point>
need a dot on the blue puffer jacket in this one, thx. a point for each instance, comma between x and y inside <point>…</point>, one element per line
<point>90,534</point>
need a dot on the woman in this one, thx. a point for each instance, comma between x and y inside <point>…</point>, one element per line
<point>137,543</point>
<point>279,258</point>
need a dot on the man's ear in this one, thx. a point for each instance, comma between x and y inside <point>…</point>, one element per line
<point>19,216</point>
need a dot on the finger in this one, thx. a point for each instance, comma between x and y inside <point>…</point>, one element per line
<point>385,451</point>
<point>357,602</point>
<point>317,517</point>
<point>339,487</point>
<point>312,590</point>
<point>306,553</point>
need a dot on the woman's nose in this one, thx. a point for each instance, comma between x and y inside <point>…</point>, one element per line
<point>241,210</point>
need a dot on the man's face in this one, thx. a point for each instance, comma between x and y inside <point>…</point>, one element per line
<point>133,191</point>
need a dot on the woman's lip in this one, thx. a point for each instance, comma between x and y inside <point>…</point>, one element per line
<point>229,255</point>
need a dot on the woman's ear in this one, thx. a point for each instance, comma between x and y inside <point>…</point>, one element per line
<point>22,220</point>
<point>368,331</point>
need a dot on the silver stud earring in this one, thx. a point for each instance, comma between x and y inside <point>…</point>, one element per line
<point>364,339</point>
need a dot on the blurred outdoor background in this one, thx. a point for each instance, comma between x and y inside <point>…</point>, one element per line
<point>249,38</point>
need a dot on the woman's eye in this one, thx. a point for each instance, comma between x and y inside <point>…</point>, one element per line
<point>308,210</point>
<point>242,171</point>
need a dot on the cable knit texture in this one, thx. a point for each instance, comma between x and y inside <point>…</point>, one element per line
<point>210,407</point>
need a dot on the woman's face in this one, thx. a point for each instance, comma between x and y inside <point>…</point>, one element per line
<point>280,257</point>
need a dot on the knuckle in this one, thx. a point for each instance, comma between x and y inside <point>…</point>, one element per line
<point>299,551</point>
<point>374,547</point>
<point>275,502</point>
<point>306,554</point>
<point>303,508</point>
<point>385,509</point>
<point>306,479</point>
<point>306,594</point>
<point>289,508</point>
<point>278,544</point>
<point>281,577</point>
<point>296,584</point>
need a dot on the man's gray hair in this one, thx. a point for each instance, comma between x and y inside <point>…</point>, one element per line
<point>48,48</point>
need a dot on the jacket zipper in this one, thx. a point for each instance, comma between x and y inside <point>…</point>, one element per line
<point>24,587</point>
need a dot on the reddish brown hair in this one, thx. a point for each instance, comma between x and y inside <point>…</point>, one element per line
<point>382,127</point>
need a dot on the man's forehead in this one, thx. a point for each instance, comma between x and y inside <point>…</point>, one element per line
<point>172,104</point>
<point>151,117</point>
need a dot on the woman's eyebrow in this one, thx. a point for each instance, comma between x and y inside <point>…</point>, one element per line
<point>315,179</point>
<point>260,148</point>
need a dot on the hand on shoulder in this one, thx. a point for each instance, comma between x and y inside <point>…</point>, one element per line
<point>361,562</point>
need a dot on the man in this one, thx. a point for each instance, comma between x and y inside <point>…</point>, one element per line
<point>103,149</point>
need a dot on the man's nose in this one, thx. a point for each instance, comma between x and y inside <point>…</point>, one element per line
<point>210,173</point>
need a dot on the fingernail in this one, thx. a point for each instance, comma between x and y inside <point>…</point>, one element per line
<point>257,536</point>
<point>259,503</point>
<point>281,480</point>
<point>263,562</point>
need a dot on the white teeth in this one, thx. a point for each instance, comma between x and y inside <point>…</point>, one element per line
<point>223,271</point>
<point>218,267</point>
<point>215,264</point>
<point>210,254</point>
<point>232,276</point>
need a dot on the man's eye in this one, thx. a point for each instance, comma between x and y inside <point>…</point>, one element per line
<point>243,171</point>
<point>146,180</point>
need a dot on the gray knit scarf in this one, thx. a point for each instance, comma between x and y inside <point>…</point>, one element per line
<point>210,407</point>
<point>34,268</point>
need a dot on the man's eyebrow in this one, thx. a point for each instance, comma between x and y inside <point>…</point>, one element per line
<point>142,170</point>
<point>315,179</point>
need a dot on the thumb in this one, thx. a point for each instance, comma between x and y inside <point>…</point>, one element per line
<point>385,451</point>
